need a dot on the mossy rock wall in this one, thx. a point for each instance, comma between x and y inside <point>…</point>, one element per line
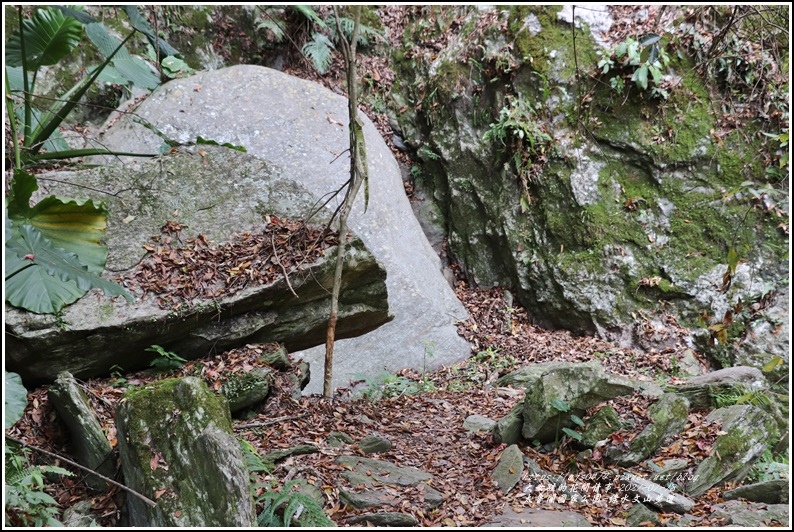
<point>637,205</point>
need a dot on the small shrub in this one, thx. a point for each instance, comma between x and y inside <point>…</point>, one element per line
<point>166,360</point>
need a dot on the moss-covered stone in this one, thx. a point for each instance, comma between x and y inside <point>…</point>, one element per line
<point>748,433</point>
<point>176,446</point>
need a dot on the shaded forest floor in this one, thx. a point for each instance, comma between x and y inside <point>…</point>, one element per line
<point>422,415</point>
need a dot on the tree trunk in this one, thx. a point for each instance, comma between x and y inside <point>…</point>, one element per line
<point>358,173</point>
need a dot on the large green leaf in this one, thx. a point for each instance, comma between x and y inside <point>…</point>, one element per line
<point>74,225</point>
<point>135,70</point>
<point>16,399</point>
<point>29,286</point>
<point>53,251</point>
<point>142,25</point>
<point>43,279</point>
<point>49,36</point>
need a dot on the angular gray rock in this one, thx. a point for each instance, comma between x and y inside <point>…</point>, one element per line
<point>753,515</point>
<point>216,192</point>
<point>302,127</point>
<point>374,443</point>
<point>91,447</point>
<point>277,358</point>
<point>384,519</point>
<point>245,389</point>
<point>508,429</point>
<point>639,513</point>
<point>668,418</point>
<point>538,518</point>
<point>365,471</point>
<point>177,447</point>
<point>770,492</point>
<point>509,468</point>
<point>655,495</point>
<point>478,423</point>
<point>579,385</point>
<point>748,433</point>
<point>600,425</point>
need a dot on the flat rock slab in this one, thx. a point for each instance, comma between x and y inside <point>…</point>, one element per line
<point>538,518</point>
<point>656,495</point>
<point>749,514</point>
<point>369,470</point>
<point>215,192</point>
<point>391,480</point>
<point>383,519</point>
<point>301,127</point>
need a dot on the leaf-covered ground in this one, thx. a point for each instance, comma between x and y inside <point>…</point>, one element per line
<point>426,428</point>
<point>423,420</point>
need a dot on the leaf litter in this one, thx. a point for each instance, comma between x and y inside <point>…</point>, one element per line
<point>426,429</point>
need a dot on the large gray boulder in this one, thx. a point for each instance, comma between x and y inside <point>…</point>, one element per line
<point>302,127</point>
<point>177,447</point>
<point>216,192</point>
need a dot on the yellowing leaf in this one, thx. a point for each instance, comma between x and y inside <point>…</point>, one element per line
<point>772,364</point>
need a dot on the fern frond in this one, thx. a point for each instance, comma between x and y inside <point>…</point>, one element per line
<point>274,27</point>
<point>310,14</point>
<point>318,51</point>
<point>296,509</point>
<point>366,34</point>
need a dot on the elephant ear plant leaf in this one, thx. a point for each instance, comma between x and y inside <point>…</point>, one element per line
<point>53,252</point>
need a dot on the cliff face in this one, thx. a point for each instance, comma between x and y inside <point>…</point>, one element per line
<point>594,199</point>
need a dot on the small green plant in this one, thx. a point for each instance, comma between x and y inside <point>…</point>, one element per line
<point>738,395</point>
<point>324,32</point>
<point>562,407</point>
<point>518,133</point>
<point>166,360</point>
<point>769,467</point>
<point>53,250</point>
<point>646,58</point>
<point>280,508</point>
<point>26,502</point>
<point>426,153</point>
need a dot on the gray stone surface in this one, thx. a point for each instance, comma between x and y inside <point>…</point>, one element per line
<point>301,127</point>
<point>753,515</point>
<point>374,443</point>
<point>655,495</point>
<point>176,435</point>
<point>91,447</point>
<point>639,513</point>
<point>509,468</point>
<point>508,429</point>
<point>668,418</point>
<point>538,518</point>
<point>478,423</point>
<point>600,425</point>
<point>216,192</point>
<point>770,491</point>
<point>246,389</point>
<point>748,431</point>
<point>365,471</point>
<point>580,385</point>
<point>384,519</point>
